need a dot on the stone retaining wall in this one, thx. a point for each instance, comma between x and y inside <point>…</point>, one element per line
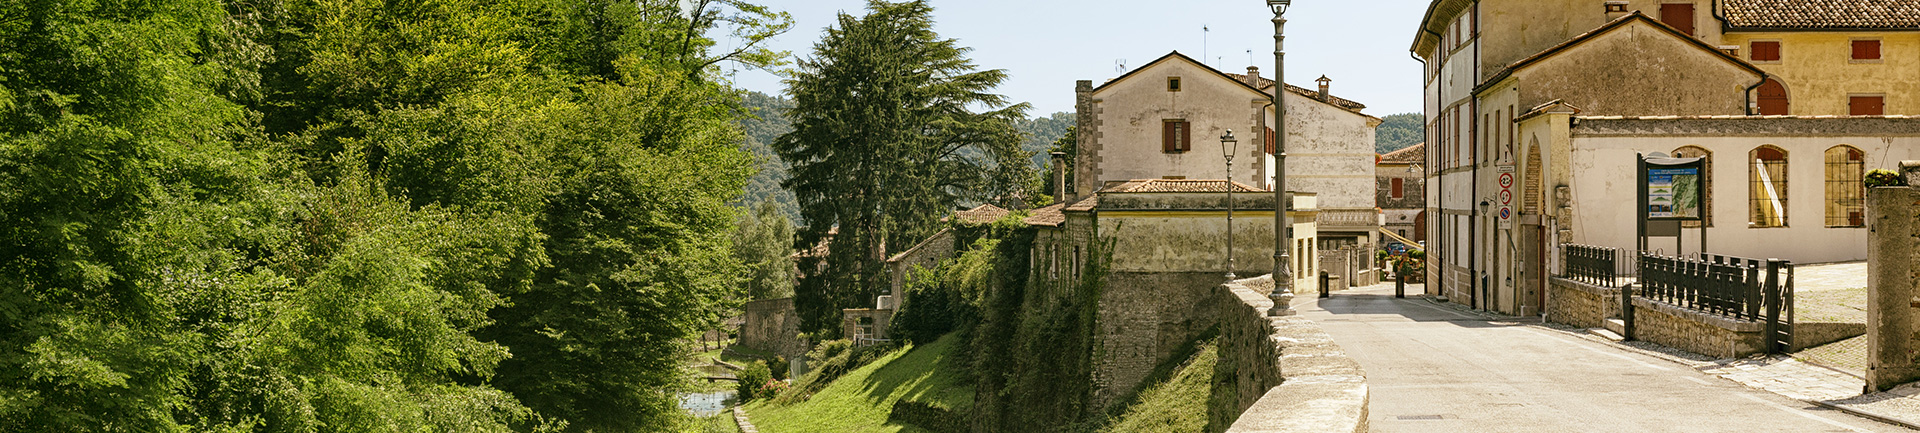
<point>1281,374</point>
<point>1712,335</point>
<point>1581,304</point>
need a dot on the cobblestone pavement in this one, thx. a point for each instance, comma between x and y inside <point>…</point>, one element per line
<point>1787,376</point>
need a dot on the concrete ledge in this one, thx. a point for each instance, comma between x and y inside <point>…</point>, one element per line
<point>1712,335</point>
<point>1284,374</point>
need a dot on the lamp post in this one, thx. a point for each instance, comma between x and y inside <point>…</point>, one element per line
<point>1228,145</point>
<point>1282,228</point>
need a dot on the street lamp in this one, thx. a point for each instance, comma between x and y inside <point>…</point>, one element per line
<point>1282,295</point>
<point>1228,145</point>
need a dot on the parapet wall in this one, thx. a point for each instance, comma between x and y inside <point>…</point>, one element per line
<point>1589,306</point>
<point>1580,304</point>
<point>1281,374</point>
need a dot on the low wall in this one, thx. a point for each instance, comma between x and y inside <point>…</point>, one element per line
<point>1580,304</point>
<point>1706,334</point>
<point>1143,318</point>
<point>1281,374</point>
<point>772,326</point>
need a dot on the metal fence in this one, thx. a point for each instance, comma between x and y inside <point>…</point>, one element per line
<point>1730,288</point>
<point>1593,265</point>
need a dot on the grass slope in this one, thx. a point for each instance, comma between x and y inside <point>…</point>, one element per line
<point>862,399</point>
<point>1177,405</point>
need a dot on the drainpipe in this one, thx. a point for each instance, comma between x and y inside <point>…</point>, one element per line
<point>1751,108</point>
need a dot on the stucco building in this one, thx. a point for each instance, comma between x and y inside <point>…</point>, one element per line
<point>1401,192</point>
<point>1536,108</point>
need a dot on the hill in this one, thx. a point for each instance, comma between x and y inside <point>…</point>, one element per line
<point>1399,131</point>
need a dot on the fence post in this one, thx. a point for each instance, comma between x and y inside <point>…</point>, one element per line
<point>1626,298</point>
<point>1772,292</point>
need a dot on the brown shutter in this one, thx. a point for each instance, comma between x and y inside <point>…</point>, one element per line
<point>1678,15</point>
<point>1186,136</point>
<point>1866,105</point>
<point>1773,98</point>
<point>1766,51</point>
<point>1273,143</point>
<point>1399,187</point>
<point>1166,136</point>
<point>1866,50</point>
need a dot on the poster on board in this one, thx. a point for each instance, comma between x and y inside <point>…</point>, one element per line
<point>1673,189</point>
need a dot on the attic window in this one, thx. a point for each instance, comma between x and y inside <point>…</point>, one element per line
<point>1867,50</point>
<point>1616,7</point>
<point>1173,84</point>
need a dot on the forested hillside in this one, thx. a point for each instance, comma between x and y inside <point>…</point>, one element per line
<point>1399,131</point>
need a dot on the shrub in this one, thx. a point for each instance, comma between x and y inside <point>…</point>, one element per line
<point>780,367</point>
<point>1883,177</point>
<point>830,360</point>
<point>752,378</point>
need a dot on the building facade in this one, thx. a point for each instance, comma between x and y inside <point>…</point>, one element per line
<point>1401,192</point>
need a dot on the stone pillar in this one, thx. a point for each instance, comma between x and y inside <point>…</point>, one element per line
<point>1891,300</point>
<point>1060,178</point>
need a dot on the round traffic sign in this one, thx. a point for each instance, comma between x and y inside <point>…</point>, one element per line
<point>1506,196</point>
<point>1506,213</point>
<point>1506,180</point>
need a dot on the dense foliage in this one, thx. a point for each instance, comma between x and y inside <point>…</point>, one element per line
<point>883,111</point>
<point>763,242</point>
<point>360,215</point>
<point>1399,131</point>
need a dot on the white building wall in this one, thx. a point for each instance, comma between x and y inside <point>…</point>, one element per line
<point>1131,113</point>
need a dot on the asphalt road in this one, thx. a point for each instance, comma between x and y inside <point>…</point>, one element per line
<point>1434,369</point>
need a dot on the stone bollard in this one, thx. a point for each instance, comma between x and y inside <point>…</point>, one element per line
<point>1399,285</point>
<point>1326,287</point>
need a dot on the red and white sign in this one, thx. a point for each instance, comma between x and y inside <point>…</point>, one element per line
<point>1505,213</point>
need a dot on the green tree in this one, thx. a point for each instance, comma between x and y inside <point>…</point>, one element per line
<point>885,142</point>
<point>1399,131</point>
<point>763,242</point>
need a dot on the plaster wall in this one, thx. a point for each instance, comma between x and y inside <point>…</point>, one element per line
<point>1511,30</point>
<point>1604,187</point>
<point>1127,144</point>
<point>1638,70</point>
<point>1819,71</point>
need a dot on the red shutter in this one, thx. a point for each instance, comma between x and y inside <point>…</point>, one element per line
<point>1399,187</point>
<point>1773,98</point>
<point>1766,51</point>
<point>1866,50</point>
<point>1166,136</point>
<point>1186,136</point>
<point>1273,143</point>
<point>1866,106</point>
<point>1678,15</point>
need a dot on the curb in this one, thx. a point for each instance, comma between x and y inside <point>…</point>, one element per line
<point>1865,414</point>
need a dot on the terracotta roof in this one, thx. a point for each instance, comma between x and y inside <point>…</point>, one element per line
<point>1415,154</point>
<point>1049,216</point>
<point>1822,14</point>
<point>1266,85</point>
<point>1177,185</point>
<point>1085,204</point>
<point>983,214</point>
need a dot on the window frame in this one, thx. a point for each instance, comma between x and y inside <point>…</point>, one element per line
<point>1176,136</point>
<point>1173,83</point>
<point>1881,102</point>
<point>1879,50</point>
<point>1852,189</point>
<point>1693,15</point>
<point>1755,185</point>
<point>1753,51</point>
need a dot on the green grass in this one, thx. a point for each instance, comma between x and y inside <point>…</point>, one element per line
<point>1177,405</point>
<point>862,399</point>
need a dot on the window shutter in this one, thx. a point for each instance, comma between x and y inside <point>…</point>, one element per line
<point>1866,50</point>
<point>1866,105</point>
<point>1766,51</point>
<point>1399,187</point>
<point>1273,143</point>
<point>1166,136</point>
<point>1186,136</point>
<point>1678,15</point>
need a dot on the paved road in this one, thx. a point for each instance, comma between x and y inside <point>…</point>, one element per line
<point>1434,369</point>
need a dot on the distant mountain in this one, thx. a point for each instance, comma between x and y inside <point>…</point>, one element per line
<point>1399,131</point>
<point>772,122</point>
<point>1041,133</point>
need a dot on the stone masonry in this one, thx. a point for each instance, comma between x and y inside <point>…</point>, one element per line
<point>1717,336</point>
<point>1581,304</point>
<point>1282,374</point>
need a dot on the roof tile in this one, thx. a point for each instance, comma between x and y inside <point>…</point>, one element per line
<point>1822,14</point>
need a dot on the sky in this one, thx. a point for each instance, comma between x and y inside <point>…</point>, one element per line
<point>1045,45</point>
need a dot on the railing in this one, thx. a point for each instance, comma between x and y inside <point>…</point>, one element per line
<point>1592,265</point>
<point>1729,286</point>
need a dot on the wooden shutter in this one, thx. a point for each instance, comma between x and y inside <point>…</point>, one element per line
<point>1273,143</point>
<point>1168,142</point>
<point>1678,15</point>
<point>1866,50</point>
<point>1186,136</point>
<point>1866,105</point>
<point>1766,51</point>
<point>1773,98</point>
<point>1399,187</point>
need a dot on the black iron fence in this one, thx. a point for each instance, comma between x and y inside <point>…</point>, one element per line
<point>1735,287</point>
<point>1592,265</point>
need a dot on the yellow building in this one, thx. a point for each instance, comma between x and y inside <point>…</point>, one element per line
<point>1829,57</point>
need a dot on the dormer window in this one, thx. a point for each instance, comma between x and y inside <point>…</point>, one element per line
<point>1173,84</point>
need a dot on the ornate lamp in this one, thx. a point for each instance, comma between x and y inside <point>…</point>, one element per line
<point>1228,146</point>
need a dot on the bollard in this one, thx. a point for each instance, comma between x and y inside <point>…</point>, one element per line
<point>1399,285</point>
<point>1326,291</point>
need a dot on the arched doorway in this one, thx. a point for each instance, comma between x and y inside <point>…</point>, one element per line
<point>1773,98</point>
<point>1420,227</point>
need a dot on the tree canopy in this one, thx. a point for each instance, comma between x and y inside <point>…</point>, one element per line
<point>886,142</point>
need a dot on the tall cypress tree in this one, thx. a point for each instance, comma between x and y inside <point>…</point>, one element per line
<point>886,140</point>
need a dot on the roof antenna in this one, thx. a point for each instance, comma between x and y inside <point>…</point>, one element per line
<point>1119,65</point>
<point>1249,57</point>
<point>1203,41</point>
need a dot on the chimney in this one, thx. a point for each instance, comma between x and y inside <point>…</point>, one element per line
<point>1086,147</point>
<point>1060,177</point>
<point>1253,76</point>
<point>1616,9</point>
<point>1324,84</point>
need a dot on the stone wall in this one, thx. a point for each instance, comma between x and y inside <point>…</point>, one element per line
<point>880,319</point>
<point>1893,280</point>
<point>1580,304</point>
<point>1143,318</point>
<point>1280,374</point>
<point>1712,335</point>
<point>772,326</point>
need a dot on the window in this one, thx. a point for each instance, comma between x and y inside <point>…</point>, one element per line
<point>1678,15</point>
<point>1399,187</point>
<point>1866,50</point>
<point>1613,7</point>
<point>1706,183</point>
<point>1176,136</point>
<point>1076,263</point>
<point>1866,105</point>
<point>1773,98</point>
<point>1767,187</point>
<point>1273,143</point>
<point>1846,192</point>
<point>1173,84</point>
<point>1765,51</point>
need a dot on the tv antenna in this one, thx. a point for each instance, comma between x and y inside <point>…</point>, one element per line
<point>1119,65</point>
<point>1204,30</point>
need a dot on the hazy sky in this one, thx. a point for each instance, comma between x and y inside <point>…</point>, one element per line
<point>1047,44</point>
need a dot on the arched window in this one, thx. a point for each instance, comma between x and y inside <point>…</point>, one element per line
<point>1767,190</point>
<point>1706,183</point>
<point>1846,193</point>
<point>1773,98</point>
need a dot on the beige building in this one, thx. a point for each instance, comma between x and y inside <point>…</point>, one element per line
<point>1164,120</point>
<point>1401,192</point>
<point>1516,93</point>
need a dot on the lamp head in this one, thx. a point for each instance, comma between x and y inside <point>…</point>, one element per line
<point>1279,6</point>
<point>1229,145</point>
